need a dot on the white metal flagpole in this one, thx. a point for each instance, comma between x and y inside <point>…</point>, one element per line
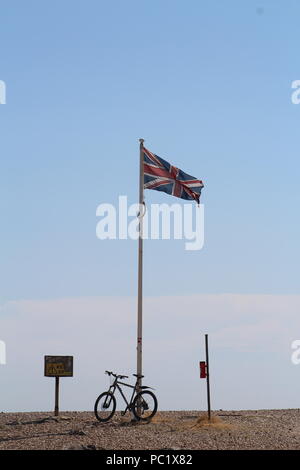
<point>140,267</point>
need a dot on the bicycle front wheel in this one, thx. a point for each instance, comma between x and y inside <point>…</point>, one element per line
<point>105,407</point>
<point>144,405</point>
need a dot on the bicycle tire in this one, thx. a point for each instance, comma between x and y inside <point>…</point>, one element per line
<point>102,409</point>
<point>144,396</point>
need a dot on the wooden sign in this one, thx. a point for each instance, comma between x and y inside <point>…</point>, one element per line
<point>58,366</point>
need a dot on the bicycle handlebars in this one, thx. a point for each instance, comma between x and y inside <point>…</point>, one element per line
<point>108,372</point>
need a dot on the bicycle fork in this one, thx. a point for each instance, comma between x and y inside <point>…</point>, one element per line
<point>108,398</point>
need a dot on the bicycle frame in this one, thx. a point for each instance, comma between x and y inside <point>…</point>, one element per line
<point>116,385</point>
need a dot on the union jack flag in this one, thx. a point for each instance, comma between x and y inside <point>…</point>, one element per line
<point>162,176</point>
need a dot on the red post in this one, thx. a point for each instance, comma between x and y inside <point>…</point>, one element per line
<point>207,376</point>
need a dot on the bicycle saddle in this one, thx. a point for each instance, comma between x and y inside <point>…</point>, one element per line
<point>138,376</point>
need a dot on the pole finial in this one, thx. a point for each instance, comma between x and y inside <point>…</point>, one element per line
<point>141,141</point>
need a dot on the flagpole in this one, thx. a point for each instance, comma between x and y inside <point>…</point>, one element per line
<point>140,268</point>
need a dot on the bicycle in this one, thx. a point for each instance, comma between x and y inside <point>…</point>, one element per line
<point>143,403</point>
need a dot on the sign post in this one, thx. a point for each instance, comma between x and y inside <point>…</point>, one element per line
<point>58,366</point>
<point>56,407</point>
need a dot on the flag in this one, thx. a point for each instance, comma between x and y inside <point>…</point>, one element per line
<point>162,176</point>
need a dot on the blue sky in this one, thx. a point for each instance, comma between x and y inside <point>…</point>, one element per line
<point>206,84</point>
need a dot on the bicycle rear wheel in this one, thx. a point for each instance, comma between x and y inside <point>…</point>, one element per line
<point>144,405</point>
<point>105,407</point>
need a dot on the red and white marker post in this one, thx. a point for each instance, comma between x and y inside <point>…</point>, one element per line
<point>204,374</point>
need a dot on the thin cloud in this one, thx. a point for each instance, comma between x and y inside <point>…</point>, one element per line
<point>101,333</point>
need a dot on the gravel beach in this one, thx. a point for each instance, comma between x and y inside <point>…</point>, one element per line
<point>169,430</point>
